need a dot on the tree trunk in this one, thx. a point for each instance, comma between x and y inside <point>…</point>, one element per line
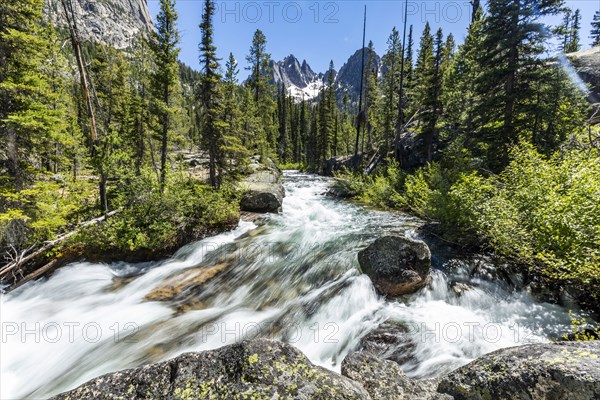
<point>12,151</point>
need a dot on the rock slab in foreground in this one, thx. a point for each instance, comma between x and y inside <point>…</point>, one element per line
<point>568,370</point>
<point>396,265</point>
<point>257,369</point>
<point>384,379</point>
<point>264,192</point>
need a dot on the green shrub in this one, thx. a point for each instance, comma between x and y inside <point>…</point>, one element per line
<point>155,223</point>
<point>545,212</point>
<point>384,187</point>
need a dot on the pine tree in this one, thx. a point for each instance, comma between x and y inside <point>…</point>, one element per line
<point>303,133</point>
<point>575,44</point>
<point>258,81</point>
<point>115,150</point>
<point>330,141</point>
<point>595,32</point>
<point>563,30</point>
<point>510,61</point>
<point>459,96</point>
<point>234,150</point>
<point>572,42</point>
<point>141,115</point>
<point>408,81</point>
<point>424,90</point>
<point>475,6</point>
<point>29,117</point>
<point>283,116</point>
<point>346,125</point>
<point>166,77</point>
<point>372,100</point>
<point>392,63</point>
<point>212,107</point>
<point>311,146</point>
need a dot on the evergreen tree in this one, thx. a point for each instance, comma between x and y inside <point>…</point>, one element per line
<point>424,90</point>
<point>330,137</point>
<point>510,61</point>
<point>569,30</point>
<point>595,32</point>
<point>459,97</point>
<point>475,6</point>
<point>141,103</point>
<point>111,71</point>
<point>575,42</point>
<point>311,147</point>
<point>234,150</point>
<point>212,107</point>
<point>258,81</point>
<point>408,81</point>
<point>29,116</point>
<point>563,30</point>
<point>165,80</point>
<point>347,127</point>
<point>303,132</point>
<point>372,100</point>
<point>283,115</point>
<point>391,82</point>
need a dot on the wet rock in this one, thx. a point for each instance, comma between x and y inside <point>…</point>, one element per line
<point>389,341</point>
<point>460,288</point>
<point>186,281</point>
<point>396,265</point>
<point>564,370</point>
<point>263,191</point>
<point>257,218</point>
<point>384,379</point>
<point>257,369</point>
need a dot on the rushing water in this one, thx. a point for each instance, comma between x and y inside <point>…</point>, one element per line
<point>295,278</point>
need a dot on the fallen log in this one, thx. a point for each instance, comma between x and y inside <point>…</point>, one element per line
<point>16,266</point>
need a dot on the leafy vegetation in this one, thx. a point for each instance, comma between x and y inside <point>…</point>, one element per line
<point>489,139</point>
<point>153,224</point>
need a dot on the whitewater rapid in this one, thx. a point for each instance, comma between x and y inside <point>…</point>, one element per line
<point>296,278</point>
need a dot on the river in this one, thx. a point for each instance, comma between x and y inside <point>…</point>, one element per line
<point>295,278</point>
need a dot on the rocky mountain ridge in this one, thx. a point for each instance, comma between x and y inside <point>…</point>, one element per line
<point>302,82</point>
<point>115,23</point>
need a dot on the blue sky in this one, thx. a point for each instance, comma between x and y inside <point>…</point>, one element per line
<point>320,31</point>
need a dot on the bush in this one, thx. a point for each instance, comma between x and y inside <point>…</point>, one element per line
<point>383,189</point>
<point>152,223</point>
<point>43,210</point>
<point>545,212</point>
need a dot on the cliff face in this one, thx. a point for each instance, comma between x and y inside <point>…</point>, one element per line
<point>111,22</point>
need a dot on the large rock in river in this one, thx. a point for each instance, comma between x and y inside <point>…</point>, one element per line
<point>263,191</point>
<point>567,370</point>
<point>396,265</point>
<point>257,369</point>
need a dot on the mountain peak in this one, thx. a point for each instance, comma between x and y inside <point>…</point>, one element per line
<point>300,80</point>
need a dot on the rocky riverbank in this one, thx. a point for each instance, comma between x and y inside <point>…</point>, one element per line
<point>267,369</point>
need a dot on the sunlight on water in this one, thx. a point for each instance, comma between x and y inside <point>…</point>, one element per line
<point>296,279</point>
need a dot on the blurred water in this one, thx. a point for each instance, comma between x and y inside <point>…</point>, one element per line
<point>295,279</point>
